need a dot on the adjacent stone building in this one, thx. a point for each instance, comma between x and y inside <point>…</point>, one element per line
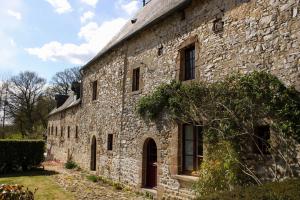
<point>185,40</point>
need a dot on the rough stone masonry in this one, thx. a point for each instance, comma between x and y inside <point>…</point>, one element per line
<point>228,36</point>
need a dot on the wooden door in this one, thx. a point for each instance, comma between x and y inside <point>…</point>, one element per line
<point>93,154</point>
<point>151,165</point>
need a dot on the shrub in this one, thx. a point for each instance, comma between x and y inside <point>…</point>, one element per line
<point>286,190</point>
<point>220,171</point>
<point>20,154</point>
<point>92,178</point>
<point>15,192</point>
<point>70,164</point>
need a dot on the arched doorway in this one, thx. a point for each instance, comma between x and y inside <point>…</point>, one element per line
<point>150,164</point>
<point>93,154</point>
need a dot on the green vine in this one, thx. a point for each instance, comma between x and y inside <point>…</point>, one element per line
<point>228,108</point>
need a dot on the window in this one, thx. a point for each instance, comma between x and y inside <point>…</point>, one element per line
<point>136,79</point>
<point>61,131</point>
<point>160,50</point>
<point>261,140</point>
<point>189,63</point>
<point>218,25</point>
<point>110,142</point>
<point>192,148</point>
<point>52,130</point>
<point>94,95</point>
<point>68,131</point>
<point>56,131</point>
<point>76,132</point>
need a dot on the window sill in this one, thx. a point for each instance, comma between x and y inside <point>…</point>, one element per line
<point>188,81</point>
<point>186,178</point>
<point>137,92</point>
<point>109,153</point>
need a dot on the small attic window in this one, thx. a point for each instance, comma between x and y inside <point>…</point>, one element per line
<point>160,50</point>
<point>218,25</point>
<point>133,20</point>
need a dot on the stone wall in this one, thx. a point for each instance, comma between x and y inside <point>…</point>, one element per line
<point>257,35</point>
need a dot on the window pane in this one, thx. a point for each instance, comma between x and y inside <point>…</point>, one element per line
<point>189,150</point>
<point>94,94</point>
<point>199,141</point>
<point>190,63</point>
<point>188,132</point>
<point>188,163</point>
<point>136,79</point>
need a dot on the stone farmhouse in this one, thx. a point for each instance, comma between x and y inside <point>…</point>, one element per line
<point>186,40</point>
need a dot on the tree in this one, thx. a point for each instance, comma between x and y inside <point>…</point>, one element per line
<point>25,92</point>
<point>62,81</point>
<point>44,106</point>
<point>3,102</point>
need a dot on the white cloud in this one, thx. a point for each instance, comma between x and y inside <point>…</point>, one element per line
<point>15,14</point>
<point>95,37</point>
<point>90,2</point>
<point>131,7</point>
<point>8,51</point>
<point>60,6</point>
<point>87,16</point>
<point>12,42</point>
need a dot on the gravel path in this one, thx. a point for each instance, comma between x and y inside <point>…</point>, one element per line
<point>83,189</point>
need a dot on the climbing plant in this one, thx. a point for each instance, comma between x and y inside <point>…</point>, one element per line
<point>228,110</point>
<point>230,107</point>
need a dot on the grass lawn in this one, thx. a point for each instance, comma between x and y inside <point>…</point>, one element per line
<point>47,188</point>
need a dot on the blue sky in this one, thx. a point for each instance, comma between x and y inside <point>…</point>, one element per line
<point>47,36</point>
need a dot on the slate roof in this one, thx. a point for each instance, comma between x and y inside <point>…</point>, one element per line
<point>70,102</point>
<point>154,11</point>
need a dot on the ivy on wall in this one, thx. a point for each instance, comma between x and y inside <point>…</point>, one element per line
<point>228,108</point>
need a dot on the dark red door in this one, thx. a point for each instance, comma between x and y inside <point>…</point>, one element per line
<point>151,167</point>
<point>93,154</point>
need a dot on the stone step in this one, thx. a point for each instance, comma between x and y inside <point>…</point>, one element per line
<point>151,192</point>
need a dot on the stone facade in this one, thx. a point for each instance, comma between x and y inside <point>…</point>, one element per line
<point>248,35</point>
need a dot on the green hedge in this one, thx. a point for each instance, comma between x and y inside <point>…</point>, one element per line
<point>20,154</point>
<point>286,190</point>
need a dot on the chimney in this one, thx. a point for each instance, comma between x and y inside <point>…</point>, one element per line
<point>76,87</point>
<point>144,3</point>
<point>60,99</point>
